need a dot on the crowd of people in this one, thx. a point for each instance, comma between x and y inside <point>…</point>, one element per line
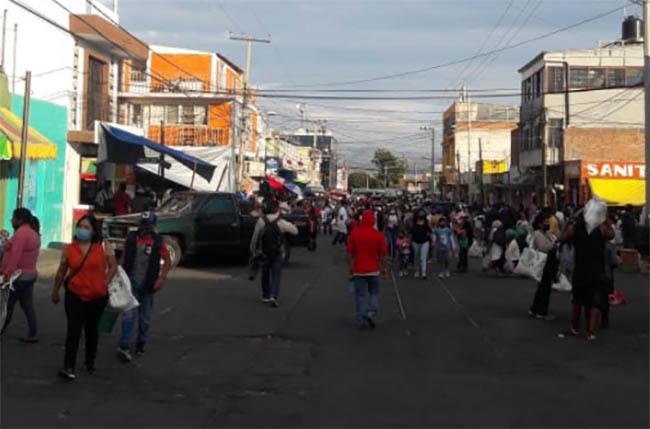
<point>379,235</point>
<point>418,233</point>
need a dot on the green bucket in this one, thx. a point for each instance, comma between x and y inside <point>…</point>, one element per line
<point>107,321</point>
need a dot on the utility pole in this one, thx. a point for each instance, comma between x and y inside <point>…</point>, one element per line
<point>544,167</point>
<point>4,40</point>
<point>24,135</point>
<point>161,162</point>
<point>646,85</point>
<point>469,135</point>
<point>244,133</point>
<point>458,170</point>
<point>433,157</point>
<point>480,157</point>
<point>13,62</point>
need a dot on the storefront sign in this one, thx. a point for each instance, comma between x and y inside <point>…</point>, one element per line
<point>613,170</point>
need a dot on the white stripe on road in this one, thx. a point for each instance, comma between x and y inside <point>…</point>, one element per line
<point>455,301</point>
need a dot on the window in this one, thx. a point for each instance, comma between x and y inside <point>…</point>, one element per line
<point>200,115</point>
<point>596,78</point>
<point>555,79</point>
<point>555,132</point>
<point>578,78</point>
<point>171,114</point>
<point>96,93</point>
<point>634,77</point>
<point>527,90</point>
<point>219,205</point>
<point>535,137</point>
<point>539,84</point>
<point>188,115</point>
<point>615,78</point>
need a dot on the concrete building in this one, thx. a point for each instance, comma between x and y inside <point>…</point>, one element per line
<point>472,131</point>
<point>580,107</point>
<point>74,51</point>
<point>325,142</point>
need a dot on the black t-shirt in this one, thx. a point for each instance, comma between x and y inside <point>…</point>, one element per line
<point>589,251</point>
<point>420,233</point>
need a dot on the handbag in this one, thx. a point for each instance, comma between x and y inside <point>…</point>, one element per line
<point>69,277</point>
<point>531,264</point>
<point>120,296</point>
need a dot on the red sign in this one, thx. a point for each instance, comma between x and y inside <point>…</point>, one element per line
<point>613,170</point>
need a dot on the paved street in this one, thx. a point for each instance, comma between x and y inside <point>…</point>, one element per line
<point>467,355</point>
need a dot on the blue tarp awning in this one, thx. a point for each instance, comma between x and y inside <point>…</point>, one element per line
<point>123,147</point>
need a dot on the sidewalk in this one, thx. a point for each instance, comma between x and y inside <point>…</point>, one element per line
<point>48,262</point>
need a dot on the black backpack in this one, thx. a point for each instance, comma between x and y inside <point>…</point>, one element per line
<point>272,238</point>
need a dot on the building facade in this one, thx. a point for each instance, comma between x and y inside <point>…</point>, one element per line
<point>75,76</point>
<point>473,132</point>
<point>578,107</point>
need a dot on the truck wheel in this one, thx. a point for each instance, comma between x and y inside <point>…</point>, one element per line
<point>286,253</point>
<point>175,250</point>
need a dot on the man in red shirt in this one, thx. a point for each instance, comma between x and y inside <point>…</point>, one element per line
<point>366,251</point>
<point>122,201</point>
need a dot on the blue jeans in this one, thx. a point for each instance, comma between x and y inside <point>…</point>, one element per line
<point>421,251</point>
<point>271,273</point>
<point>366,285</point>
<point>143,314</point>
<point>391,236</point>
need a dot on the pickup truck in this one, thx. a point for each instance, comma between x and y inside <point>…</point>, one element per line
<point>194,223</point>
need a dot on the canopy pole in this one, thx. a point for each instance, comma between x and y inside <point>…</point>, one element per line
<point>161,168</point>
<point>193,175</point>
<point>24,136</point>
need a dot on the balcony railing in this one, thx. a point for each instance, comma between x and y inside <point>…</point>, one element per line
<point>191,135</point>
<point>140,83</point>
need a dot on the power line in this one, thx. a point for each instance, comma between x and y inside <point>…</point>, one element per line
<point>473,57</point>
<point>483,45</point>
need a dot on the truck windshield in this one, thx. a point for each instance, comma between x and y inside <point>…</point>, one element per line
<point>177,204</point>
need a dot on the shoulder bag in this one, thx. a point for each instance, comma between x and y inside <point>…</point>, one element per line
<point>69,277</point>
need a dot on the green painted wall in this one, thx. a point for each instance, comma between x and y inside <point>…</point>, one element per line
<point>44,178</point>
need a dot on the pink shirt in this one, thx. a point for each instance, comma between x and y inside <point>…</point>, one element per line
<point>22,252</point>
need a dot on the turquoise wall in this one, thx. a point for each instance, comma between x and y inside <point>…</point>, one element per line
<point>44,178</point>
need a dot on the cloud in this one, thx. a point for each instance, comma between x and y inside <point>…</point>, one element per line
<point>316,41</point>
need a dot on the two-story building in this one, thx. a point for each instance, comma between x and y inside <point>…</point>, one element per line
<point>471,132</point>
<point>581,107</point>
<point>74,51</point>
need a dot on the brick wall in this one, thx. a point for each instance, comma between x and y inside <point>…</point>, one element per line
<point>604,144</point>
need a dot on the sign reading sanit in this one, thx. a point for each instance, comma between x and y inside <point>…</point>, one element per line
<point>614,170</point>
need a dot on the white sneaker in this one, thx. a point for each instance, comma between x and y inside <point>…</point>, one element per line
<point>441,276</point>
<point>416,275</point>
<point>447,274</point>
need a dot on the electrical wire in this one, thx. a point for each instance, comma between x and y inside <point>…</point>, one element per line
<point>463,60</point>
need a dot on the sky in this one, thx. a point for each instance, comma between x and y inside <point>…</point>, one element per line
<point>328,43</point>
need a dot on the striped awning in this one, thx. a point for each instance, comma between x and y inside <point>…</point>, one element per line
<point>38,146</point>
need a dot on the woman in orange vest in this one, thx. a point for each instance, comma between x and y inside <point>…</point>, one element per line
<point>87,266</point>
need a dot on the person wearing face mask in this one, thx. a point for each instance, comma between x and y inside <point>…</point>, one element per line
<point>392,226</point>
<point>87,266</point>
<point>545,242</point>
<point>21,253</point>
<point>141,260</point>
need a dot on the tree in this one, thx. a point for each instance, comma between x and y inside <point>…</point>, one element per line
<point>391,169</point>
<point>359,180</point>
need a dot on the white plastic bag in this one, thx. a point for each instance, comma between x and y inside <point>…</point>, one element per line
<point>476,250</point>
<point>120,297</point>
<point>531,264</point>
<point>595,213</point>
<point>496,252</point>
<point>563,284</point>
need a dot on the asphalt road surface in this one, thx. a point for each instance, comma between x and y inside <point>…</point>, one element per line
<point>466,355</point>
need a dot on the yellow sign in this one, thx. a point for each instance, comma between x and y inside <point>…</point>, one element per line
<point>494,166</point>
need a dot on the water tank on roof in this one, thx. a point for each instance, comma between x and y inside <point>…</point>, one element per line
<point>633,29</point>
